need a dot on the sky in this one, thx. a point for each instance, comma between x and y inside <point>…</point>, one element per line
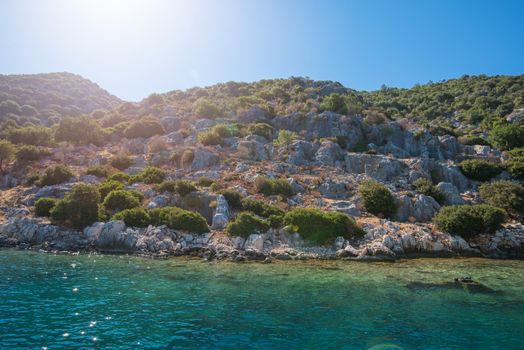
<point>133,48</point>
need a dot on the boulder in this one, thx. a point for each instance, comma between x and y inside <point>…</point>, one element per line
<point>204,158</point>
<point>451,194</point>
<point>446,172</point>
<point>300,152</point>
<point>254,150</point>
<point>378,167</point>
<point>424,208</point>
<point>255,242</point>
<point>171,123</point>
<point>221,216</point>
<point>114,237</point>
<point>333,190</point>
<point>134,146</point>
<point>254,115</point>
<point>329,153</point>
<point>450,146</point>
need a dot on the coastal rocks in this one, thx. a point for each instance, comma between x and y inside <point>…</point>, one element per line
<point>421,208</point>
<point>221,216</point>
<point>114,237</point>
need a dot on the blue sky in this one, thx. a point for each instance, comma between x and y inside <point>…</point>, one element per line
<point>133,47</point>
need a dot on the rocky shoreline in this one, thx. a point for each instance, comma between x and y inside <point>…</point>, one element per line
<point>384,241</point>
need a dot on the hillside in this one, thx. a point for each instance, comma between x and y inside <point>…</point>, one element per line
<point>42,97</point>
<point>287,169</point>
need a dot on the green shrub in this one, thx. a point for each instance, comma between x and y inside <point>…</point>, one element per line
<point>79,207</point>
<point>119,200</point>
<point>122,162</point>
<point>276,221</point>
<point>222,130</point>
<point>29,153</point>
<point>507,136</point>
<point>43,206</point>
<point>7,153</point>
<point>377,198</point>
<point>119,177</point>
<point>233,198</point>
<point>270,187</point>
<point>469,220</point>
<point>261,129</point>
<point>150,175</point>
<point>322,226</point>
<point>285,138</point>
<point>205,181</point>
<point>99,171</point>
<point>426,187</point>
<point>515,167</point>
<point>245,224</point>
<point>80,131</point>
<point>182,187</point>
<point>504,194</point>
<point>480,170</point>
<point>31,135</point>
<point>54,175</point>
<point>107,186</point>
<point>204,108</point>
<point>209,138</point>
<point>134,217</point>
<point>471,140</point>
<point>145,127</point>
<point>178,219</point>
<point>334,103</point>
<point>260,208</point>
<point>517,152</point>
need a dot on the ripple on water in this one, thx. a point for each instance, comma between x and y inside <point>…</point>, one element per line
<point>123,302</point>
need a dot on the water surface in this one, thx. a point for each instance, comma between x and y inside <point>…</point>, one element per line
<point>104,302</point>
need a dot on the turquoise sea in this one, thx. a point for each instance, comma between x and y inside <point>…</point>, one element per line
<point>119,302</point>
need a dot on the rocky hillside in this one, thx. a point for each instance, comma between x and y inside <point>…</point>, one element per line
<point>285,169</point>
<point>42,98</point>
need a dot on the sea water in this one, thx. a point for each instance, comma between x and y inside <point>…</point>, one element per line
<point>120,302</point>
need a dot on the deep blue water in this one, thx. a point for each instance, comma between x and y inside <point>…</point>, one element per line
<point>108,302</point>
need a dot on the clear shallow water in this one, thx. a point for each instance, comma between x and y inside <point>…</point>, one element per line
<point>105,302</point>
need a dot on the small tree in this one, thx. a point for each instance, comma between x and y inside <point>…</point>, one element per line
<point>7,153</point>
<point>377,198</point>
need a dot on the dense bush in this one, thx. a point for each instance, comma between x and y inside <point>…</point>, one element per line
<point>54,175</point>
<point>469,220</point>
<point>426,187</point>
<point>79,207</point>
<point>377,198</point>
<point>270,187</point>
<point>28,153</point>
<point>150,175</point>
<point>285,138</point>
<point>516,168</point>
<point>471,140</point>
<point>107,186</point>
<point>119,177</point>
<point>182,187</point>
<point>322,226</point>
<point>480,170</point>
<point>209,138</point>
<point>261,129</point>
<point>118,200</point>
<point>145,127</point>
<point>205,181</point>
<point>80,131</point>
<point>178,219</point>
<point>334,103</point>
<point>134,217</point>
<point>260,208</point>
<point>31,135</point>
<point>7,153</point>
<point>99,170</point>
<point>504,194</point>
<point>203,108</point>
<point>122,162</point>
<point>245,224</point>
<point>233,198</point>
<point>43,206</point>
<point>507,136</point>
<point>276,221</point>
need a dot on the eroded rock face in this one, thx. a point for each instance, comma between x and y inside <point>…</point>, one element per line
<point>254,150</point>
<point>329,153</point>
<point>221,216</point>
<point>376,166</point>
<point>450,173</point>
<point>114,237</point>
<point>451,194</point>
<point>204,158</point>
